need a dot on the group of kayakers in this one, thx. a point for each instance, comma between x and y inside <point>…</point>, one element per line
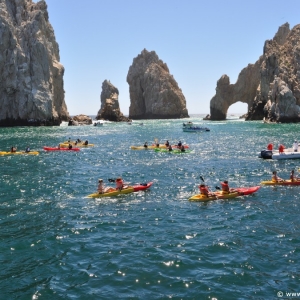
<point>276,178</point>
<point>14,149</point>
<point>204,189</point>
<point>119,186</point>
<point>168,146</point>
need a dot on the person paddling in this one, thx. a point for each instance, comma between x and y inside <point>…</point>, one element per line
<point>225,187</point>
<point>204,190</point>
<point>275,178</point>
<point>13,149</point>
<point>120,184</point>
<point>292,176</point>
<point>101,188</point>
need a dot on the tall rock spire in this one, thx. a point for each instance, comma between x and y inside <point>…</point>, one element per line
<point>31,76</point>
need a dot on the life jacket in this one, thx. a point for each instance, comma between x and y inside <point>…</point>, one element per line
<point>225,187</point>
<point>119,184</point>
<point>203,190</point>
<point>281,148</point>
<point>270,147</point>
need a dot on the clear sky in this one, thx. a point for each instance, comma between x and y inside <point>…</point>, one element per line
<point>198,40</point>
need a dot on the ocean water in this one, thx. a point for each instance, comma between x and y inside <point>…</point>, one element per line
<point>154,244</point>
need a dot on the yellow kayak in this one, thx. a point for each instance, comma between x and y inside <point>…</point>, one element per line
<point>149,147</point>
<point>214,196</point>
<point>112,192</point>
<point>66,144</point>
<point>18,152</point>
<point>283,182</point>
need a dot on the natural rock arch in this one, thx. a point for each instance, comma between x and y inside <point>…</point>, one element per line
<point>244,90</point>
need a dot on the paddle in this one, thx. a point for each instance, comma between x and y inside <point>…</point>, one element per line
<point>111,180</point>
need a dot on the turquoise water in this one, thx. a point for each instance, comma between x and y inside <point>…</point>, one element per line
<point>57,244</point>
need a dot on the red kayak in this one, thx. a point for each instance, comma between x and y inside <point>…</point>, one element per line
<point>60,149</point>
<point>142,186</point>
<point>247,190</point>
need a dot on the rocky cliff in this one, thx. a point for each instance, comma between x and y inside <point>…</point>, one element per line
<point>31,76</point>
<point>110,109</point>
<point>154,93</point>
<point>271,86</point>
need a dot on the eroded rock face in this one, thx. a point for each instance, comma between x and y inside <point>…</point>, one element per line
<point>110,109</point>
<point>226,94</point>
<point>31,76</point>
<point>271,86</point>
<point>80,120</point>
<point>154,93</point>
<point>281,106</point>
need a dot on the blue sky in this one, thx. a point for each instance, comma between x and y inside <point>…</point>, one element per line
<point>198,40</point>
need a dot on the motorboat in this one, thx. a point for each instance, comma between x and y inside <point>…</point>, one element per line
<point>191,127</point>
<point>288,153</point>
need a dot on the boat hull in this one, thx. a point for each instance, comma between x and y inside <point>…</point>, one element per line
<point>19,153</point>
<point>113,192</point>
<point>238,192</point>
<point>59,149</point>
<point>285,182</point>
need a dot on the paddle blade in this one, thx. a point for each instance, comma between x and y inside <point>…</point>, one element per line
<point>111,180</point>
<point>217,187</point>
<point>202,178</point>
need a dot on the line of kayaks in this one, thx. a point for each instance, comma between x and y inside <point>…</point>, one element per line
<point>174,151</point>
<point>161,146</point>
<point>110,192</point>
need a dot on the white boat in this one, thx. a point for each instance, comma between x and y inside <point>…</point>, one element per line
<point>274,154</point>
<point>190,127</point>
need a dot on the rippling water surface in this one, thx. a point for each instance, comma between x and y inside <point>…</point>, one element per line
<point>57,244</point>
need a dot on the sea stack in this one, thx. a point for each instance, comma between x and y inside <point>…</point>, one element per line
<point>154,93</point>
<point>31,76</point>
<point>110,108</point>
<point>271,86</point>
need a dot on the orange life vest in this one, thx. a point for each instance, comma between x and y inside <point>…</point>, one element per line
<point>225,187</point>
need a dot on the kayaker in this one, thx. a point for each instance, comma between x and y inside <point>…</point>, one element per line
<point>27,149</point>
<point>292,176</point>
<point>13,149</point>
<point>204,190</point>
<point>170,148</point>
<point>70,146</point>
<point>79,140</point>
<point>179,144</point>
<point>120,184</point>
<point>86,142</point>
<point>182,148</point>
<point>295,146</point>
<point>275,178</point>
<point>69,140</point>
<point>75,143</point>
<point>225,187</point>
<point>146,145</point>
<point>100,186</point>
<point>167,144</point>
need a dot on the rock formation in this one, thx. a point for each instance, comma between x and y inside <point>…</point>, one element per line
<point>271,86</point>
<point>154,93</point>
<point>31,76</point>
<point>110,109</point>
<point>80,120</point>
